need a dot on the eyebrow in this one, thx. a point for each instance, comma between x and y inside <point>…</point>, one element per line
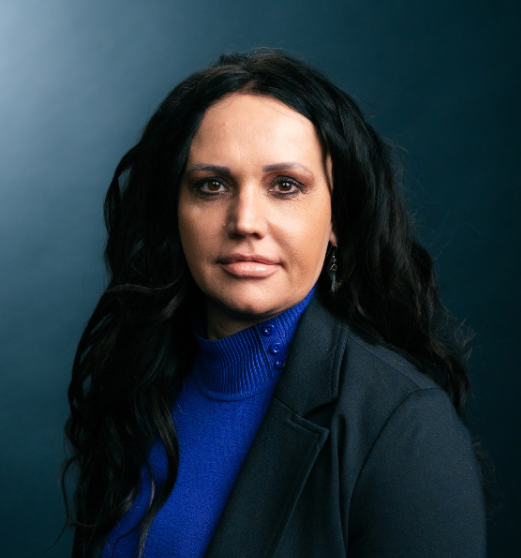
<point>285,166</point>
<point>267,168</point>
<point>211,168</point>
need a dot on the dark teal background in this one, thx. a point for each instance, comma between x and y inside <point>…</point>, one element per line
<point>78,81</point>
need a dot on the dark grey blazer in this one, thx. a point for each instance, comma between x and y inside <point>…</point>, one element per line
<point>359,455</point>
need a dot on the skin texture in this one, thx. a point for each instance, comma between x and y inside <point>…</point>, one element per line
<point>254,210</point>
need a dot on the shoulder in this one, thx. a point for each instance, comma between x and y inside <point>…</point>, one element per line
<point>374,372</point>
<point>378,386</point>
<point>396,451</point>
<point>363,384</point>
<point>372,387</point>
<point>404,448</point>
<point>391,421</point>
<point>383,363</point>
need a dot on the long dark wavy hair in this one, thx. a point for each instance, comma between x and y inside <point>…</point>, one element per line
<point>136,347</point>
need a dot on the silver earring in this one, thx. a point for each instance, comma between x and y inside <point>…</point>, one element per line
<point>332,269</point>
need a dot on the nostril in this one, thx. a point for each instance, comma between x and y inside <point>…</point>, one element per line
<point>247,220</point>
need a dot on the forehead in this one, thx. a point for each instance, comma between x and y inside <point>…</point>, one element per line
<point>255,127</point>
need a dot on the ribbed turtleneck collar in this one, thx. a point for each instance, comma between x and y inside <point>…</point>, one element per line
<point>249,361</point>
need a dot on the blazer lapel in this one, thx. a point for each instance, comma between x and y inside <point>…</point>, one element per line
<point>287,445</point>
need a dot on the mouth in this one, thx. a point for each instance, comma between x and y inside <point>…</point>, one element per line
<point>254,266</point>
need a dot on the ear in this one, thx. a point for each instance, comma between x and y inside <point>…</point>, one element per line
<point>332,237</point>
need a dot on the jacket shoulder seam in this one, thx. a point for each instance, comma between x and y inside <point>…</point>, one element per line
<point>398,367</point>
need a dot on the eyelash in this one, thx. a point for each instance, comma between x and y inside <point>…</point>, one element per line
<point>199,186</point>
<point>278,181</point>
<point>281,179</point>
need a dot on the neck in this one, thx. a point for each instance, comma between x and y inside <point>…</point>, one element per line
<point>221,323</point>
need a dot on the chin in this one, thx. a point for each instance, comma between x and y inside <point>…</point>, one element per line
<point>251,301</point>
<point>248,309</point>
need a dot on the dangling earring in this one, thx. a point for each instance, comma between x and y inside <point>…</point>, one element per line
<point>332,269</point>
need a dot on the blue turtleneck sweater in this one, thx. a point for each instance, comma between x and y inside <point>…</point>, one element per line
<point>217,414</point>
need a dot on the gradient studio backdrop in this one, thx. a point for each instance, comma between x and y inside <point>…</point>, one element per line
<point>78,81</point>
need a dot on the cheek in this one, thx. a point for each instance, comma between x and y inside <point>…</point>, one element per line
<point>200,234</point>
<point>191,222</point>
<point>192,235</point>
<point>306,239</point>
<point>186,231</point>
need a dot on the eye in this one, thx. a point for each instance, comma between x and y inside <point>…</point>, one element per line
<point>210,186</point>
<point>286,186</point>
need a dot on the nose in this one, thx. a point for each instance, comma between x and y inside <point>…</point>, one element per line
<point>247,214</point>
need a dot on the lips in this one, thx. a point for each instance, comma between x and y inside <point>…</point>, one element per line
<point>254,266</point>
<point>248,258</point>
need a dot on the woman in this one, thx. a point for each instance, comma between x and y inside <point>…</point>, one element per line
<point>270,371</point>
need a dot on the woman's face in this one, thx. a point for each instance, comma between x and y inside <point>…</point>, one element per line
<point>254,210</point>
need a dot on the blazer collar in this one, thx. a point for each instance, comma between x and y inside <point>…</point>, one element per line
<point>287,444</point>
<point>311,375</point>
